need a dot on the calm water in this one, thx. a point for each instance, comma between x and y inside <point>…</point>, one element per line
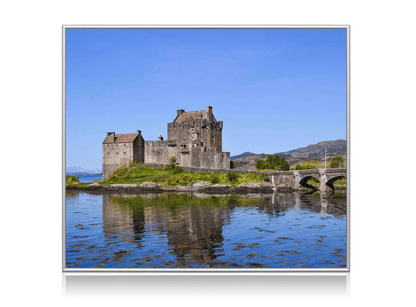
<point>89,178</point>
<point>200,231</point>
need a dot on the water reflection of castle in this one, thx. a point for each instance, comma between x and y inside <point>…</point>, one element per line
<point>195,233</point>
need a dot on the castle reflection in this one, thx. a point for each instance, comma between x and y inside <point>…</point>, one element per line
<point>193,223</point>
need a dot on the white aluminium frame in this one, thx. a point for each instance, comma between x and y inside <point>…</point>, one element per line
<point>204,283</point>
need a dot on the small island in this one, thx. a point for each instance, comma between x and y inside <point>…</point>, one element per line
<point>139,177</point>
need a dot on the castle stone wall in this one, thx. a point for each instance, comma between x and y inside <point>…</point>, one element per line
<point>159,152</point>
<point>117,153</point>
<point>114,155</point>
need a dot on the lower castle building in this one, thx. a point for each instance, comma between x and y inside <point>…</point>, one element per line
<point>194,138</point>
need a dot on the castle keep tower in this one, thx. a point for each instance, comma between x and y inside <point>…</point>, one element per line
<point>194,138</point>
<point>199,128</point>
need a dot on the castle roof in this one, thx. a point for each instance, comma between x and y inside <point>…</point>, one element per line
<point>194,115</point>
<point>122,138</point>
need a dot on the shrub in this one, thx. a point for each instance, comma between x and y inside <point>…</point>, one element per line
<point>171,162</point>
<point>336,162</point>
<point>214,179</point>
<point>299,167</point>
<point>177,169</point>
<point>132,164</point>
<point>265,177</point>
<point>232,176</point>
<point>302,167</point>
<point>71,179</point>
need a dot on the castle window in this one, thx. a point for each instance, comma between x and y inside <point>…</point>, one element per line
<point>117,153</point>
<point>124,153</point>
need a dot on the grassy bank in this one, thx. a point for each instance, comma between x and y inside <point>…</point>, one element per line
<point>315,164</point>
<point>137,173</point>
<point>74,181</point>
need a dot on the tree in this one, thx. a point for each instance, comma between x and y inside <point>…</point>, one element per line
<point>284,165</point>
<point>260,164</point>
<point>273,162</point>
<point>336,162</point>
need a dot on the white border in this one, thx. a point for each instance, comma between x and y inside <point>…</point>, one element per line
<point>197,283</point>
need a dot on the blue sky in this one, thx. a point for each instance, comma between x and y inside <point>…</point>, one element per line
<point>274,89</point>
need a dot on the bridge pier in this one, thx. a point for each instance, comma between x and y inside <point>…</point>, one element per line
<point>326,188</point>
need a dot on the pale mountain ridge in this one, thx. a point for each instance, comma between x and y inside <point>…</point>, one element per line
<point>80,170</point>
<point>247,160</point>
<point>317,151</point>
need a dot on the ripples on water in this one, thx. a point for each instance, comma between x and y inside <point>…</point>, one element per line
<point>201,231</point>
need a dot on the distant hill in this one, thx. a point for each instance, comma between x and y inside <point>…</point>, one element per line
<point>247,160</point>
<point>317,151</point>
<point>244,154</point>
<point>75,170</point>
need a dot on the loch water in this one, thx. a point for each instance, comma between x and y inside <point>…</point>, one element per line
<point>170,230</point>
<point>89,178</point>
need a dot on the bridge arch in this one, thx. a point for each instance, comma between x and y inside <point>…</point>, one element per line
<point>331,181</point>
<point>304,182</point>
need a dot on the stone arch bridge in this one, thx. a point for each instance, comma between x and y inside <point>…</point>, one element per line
<point>298,179</point>
<point>293,180</point>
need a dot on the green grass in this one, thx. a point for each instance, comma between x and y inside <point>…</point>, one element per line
<point>74,181</point>
<point>136,173</point>
<point>184,179</point>
<point>338,183</point>
<point>315,163</point>
<point>139,173</point>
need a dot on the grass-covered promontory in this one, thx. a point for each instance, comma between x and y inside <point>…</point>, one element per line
<point>171,176</point>
<point>74,181</point>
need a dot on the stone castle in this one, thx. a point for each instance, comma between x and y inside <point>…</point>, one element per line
<point>194,138</point>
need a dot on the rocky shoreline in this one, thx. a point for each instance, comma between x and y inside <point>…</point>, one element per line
<point>205,187</point>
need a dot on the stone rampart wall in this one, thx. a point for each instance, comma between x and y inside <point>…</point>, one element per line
<point>158,153</point>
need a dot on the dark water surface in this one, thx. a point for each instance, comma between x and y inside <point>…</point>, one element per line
<point>202,231</point>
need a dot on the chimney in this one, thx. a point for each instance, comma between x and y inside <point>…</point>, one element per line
<point>139,132</point>
<point>180,112</point>
<point>209,109</point>
<point>112,136</point>
<point>160,137</point>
